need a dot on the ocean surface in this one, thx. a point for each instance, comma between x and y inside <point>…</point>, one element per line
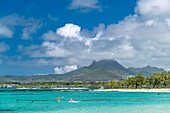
<point>87,102</point>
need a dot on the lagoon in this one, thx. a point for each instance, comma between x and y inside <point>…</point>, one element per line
<point>89,102</point>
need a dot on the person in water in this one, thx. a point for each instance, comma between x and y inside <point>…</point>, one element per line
<point>71,100</point>
<point>58,99</point>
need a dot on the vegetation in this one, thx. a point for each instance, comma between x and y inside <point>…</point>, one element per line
<point>60,84</point>
<point>157,80</point>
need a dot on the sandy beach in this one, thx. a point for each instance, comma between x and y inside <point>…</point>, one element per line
<point>132,90</point>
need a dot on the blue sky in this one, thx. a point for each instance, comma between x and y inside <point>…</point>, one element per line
<point>54,36</point>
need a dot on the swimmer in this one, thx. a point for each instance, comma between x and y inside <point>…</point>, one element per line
<point>58,99</point>
<point>71,100</point>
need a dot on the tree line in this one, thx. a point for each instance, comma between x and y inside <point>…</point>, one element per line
<point>92,85</point>
<point>157,80</point>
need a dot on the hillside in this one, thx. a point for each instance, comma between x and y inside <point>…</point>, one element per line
<point>146,71</point>
<point>103,70</point>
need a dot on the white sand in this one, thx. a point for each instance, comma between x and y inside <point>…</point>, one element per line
<point>132,90</point>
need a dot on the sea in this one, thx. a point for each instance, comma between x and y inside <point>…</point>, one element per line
<point>84,102</point>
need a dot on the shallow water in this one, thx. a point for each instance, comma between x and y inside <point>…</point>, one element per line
<point>90,102</point>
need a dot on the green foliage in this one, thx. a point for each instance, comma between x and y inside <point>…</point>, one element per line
<point>113,84</point>
<point>61,85</point>
<point>157,80</point>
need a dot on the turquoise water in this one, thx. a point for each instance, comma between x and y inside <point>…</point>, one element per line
<point>90,102</point>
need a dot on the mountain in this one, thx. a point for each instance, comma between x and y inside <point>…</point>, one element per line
<point>146,71</point>
<point>107,64</point>
<point>103,70</point>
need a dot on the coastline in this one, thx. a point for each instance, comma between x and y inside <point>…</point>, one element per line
<point>167,90</point>
<point>132,90</point>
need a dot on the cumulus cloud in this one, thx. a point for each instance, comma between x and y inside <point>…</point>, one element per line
<point>153,8</point>
<point>69,31</point>
<point>52,49</point>
<point>8,24</point>
<point>3,47</point>
<point>137,40</point>
<point>85,5</point>
<point>65,69</point>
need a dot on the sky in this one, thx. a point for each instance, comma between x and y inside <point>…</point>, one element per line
<point>54,36</point>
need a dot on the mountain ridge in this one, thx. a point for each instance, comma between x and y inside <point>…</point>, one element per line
<point>102,70</point>
<point>148,70</point>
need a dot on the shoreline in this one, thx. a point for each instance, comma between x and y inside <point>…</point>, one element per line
<point>132,90</point>
<point>167,90</point>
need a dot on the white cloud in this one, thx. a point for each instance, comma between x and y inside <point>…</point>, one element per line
<point>69,31</point>
<point>51,36</point>
<point>54,50</point>
<point>65,69</point>
<point>3,47</point>
<point>138,40</point>
<point>153,8</point>
<point>85,5</point>
<point>29,30</point>
<point>5,32</point>
<point>29,26</point>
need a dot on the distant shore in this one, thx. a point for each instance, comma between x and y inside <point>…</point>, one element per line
<point>132,90</point>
